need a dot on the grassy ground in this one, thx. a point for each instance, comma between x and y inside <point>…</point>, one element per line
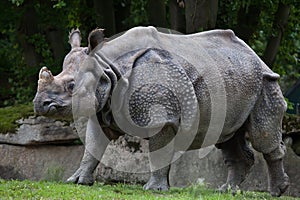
<point>53,190</point>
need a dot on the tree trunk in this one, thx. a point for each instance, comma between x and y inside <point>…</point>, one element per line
<point>105,16</point>
<point>248,19</point>
<point>177,18</point>
<point>279,24</point>
<point>157,13</point>
<point>200,15</point>
<point>27,28</point>
<point>121,13</point>
<point>56,40</point>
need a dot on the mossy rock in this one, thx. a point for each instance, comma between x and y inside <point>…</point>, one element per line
<point>9,115</point>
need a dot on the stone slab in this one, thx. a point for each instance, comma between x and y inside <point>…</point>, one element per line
<point>40,130</point>
<point>46,162</point>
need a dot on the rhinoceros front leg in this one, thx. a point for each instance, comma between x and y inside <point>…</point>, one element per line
<point>84,174</point>
<point>95,145</point>
<point>161,152</point>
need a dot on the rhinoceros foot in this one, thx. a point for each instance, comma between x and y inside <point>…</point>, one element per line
<point>279,186</point>
<point>158,181</point>
<point>226,188</point>
<point>81,177</point>
<point>160,185</point>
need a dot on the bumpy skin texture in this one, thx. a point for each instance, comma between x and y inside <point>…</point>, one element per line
<point>197,90</point>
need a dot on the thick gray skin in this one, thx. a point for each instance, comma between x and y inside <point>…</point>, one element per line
<point>254,105</point>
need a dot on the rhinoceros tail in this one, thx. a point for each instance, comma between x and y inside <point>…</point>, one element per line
<point>271,76</point>
<point>268,74</point>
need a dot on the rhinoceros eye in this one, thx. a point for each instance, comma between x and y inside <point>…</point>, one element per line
<point>70,86</point>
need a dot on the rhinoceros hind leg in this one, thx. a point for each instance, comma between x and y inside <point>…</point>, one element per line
<point>264,130</point>
<point>161,151</point>
<point>238,158</point>
<point>158,180</point>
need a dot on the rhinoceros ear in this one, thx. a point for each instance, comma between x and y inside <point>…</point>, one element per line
<point>95,37</point>
<point>75,38</point>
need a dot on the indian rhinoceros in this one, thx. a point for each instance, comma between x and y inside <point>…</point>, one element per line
<point>181,92</point>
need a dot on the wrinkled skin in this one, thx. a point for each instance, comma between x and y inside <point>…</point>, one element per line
<point>166,83</point>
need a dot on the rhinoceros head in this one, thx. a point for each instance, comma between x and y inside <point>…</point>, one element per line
<point>54,93</point>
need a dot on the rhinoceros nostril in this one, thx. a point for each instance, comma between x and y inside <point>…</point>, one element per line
<point>46,103</point>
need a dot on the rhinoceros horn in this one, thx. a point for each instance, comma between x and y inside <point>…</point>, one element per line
<point>45,77</point>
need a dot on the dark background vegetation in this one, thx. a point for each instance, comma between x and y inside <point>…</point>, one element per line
<point>34,33</point>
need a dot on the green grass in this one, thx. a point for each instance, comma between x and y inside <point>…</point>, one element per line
<point>9,115</point>
<point>53,190</point>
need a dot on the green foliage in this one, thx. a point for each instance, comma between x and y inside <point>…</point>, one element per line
<point>17,2</point>
<point>14,64</point>
<point>74,16</point>
<point>50,190</point>
<point>59,4</point>
<point>138,13</point>
<point>10,114</point>
<point>288,57</point>
<point>227,14</point>
<point>42,48</point>
<point>290,105</point>
<point>21,84</point>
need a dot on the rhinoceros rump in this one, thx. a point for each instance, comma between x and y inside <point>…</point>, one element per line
<point>182,92</point>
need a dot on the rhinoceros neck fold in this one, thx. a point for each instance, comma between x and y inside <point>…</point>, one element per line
<point>107,122</point>
<point>109,68</point>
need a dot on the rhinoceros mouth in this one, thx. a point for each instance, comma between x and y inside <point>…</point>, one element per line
<point>52,108</point>
<point>48,107</point>
<point>59,112</point>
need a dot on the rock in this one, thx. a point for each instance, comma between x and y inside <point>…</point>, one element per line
<point>125,160</point>
<point>40,130</point>
<point>45,162</point>
<point>211,170</point>
<point>194,165</point>
<point>292,163</point>
<point>9,172</point>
